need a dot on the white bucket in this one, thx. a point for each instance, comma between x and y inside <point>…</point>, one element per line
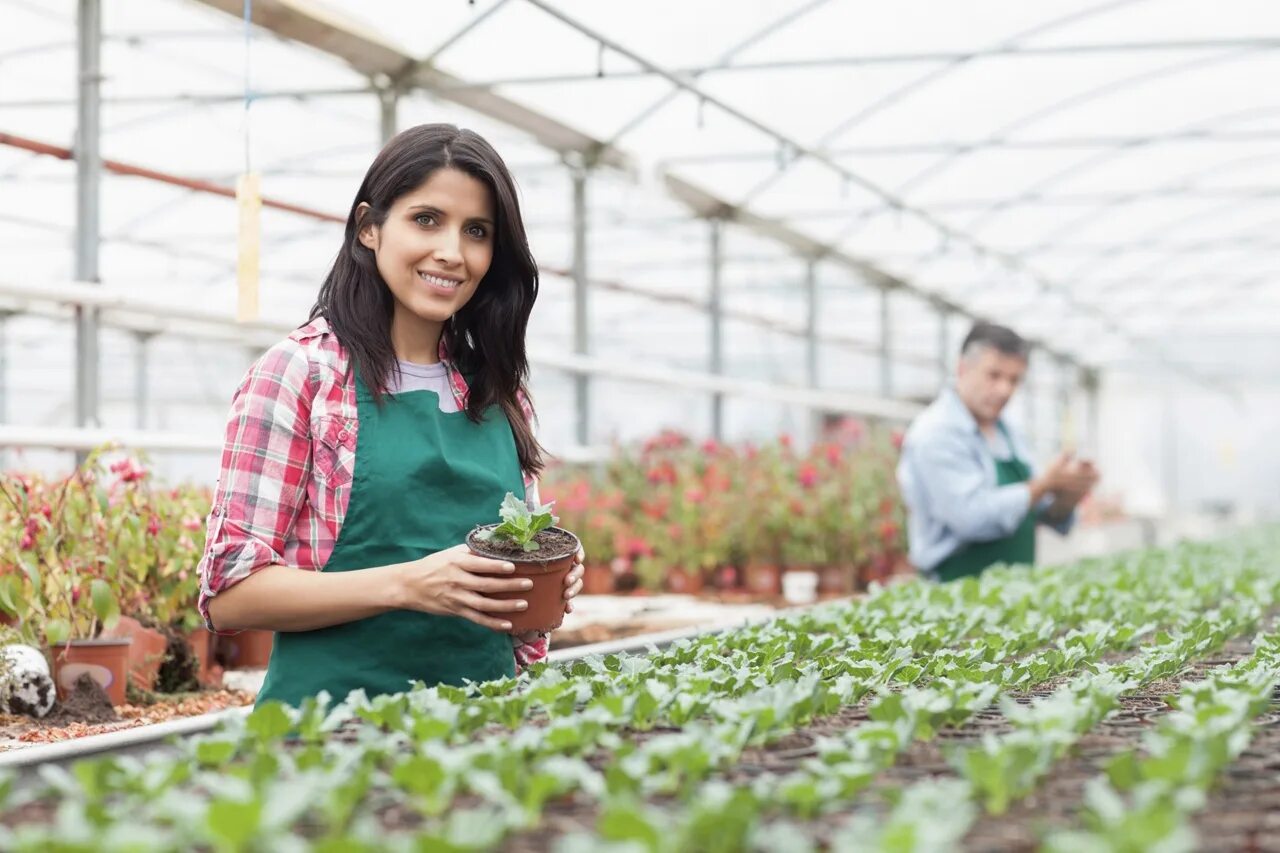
<point>800,587</point>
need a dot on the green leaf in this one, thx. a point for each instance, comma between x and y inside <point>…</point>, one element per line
<point>235,823</point>
<point>57,631</point>
<point>269,721</point>
<point>105,605</point>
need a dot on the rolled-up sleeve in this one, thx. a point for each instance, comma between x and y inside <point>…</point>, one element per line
<point>959,494</point>
<point>266,464</point>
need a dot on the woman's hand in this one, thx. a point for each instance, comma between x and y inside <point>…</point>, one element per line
<point>572,586</point>
<point>458,583</point>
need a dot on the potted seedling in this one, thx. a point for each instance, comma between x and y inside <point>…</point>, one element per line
<point>540,551</point>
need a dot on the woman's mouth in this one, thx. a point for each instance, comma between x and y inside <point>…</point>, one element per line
<point>441,283</point>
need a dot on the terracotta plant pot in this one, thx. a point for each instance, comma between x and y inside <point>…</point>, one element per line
<point>684,581</point>
<point>836,580</point>
<point>247,650</point>
<point>106,661</point>
<point>546,599</point>
<point>597,580</point>
<point>146,652</point>
<point>764,579</point>
<point>201,642</point>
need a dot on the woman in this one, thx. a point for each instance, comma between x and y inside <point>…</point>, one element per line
<point>374,438</point>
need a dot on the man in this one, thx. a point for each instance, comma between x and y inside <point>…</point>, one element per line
<point>972,495</point>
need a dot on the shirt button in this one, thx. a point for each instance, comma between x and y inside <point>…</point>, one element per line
<point>342,434</point>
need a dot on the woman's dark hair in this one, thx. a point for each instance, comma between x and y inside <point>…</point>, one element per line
<point>485,340</point>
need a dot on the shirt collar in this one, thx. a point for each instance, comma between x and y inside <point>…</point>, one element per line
<point>960,414</point>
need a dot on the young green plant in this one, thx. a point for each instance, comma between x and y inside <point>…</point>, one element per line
<point>520,524</point>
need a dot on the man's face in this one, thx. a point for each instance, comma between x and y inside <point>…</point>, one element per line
<point>986,379</point>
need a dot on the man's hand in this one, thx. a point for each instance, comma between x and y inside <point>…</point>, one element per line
<point>1067,479</point>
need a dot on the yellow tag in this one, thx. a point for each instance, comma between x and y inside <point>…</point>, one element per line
<point>1068,431</point>
<point>249,202</point>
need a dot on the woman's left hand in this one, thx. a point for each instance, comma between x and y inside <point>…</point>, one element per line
<point>572,586</point>
<point>573,581</point>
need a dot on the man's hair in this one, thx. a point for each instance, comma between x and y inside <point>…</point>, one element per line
<point>1000,338</point>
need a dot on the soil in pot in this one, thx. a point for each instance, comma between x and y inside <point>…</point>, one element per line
<point>180,671</point>
<point>104,660</point>
<point>86,702</point>
<point>546,567</point>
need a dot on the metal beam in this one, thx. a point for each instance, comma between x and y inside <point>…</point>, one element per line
<point>88,177</point>
<point>326,29</point>
<point>944,347</point>
<point>720,69</point>
<point>793,150</point>
<point>704,203</point>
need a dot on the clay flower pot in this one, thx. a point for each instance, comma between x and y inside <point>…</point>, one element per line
<point>146,652</point>
<point>764,579</point>
<point>684,581</point>
<point>836,580</point>
<point>247,650</point>
<point>106,661</point>
<point>201,642</point>
<point>546,568</point>
<point>597,579</point>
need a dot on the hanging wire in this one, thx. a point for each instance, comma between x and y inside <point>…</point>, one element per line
<point>248,88</point>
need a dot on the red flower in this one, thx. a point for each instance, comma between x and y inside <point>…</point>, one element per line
<point>897,439</point>
<point>694,496</point>
<point>46,510</point>
<point>75,595</point>
<point>808,475</point>
<point>785,440</point>
<point>710,447</point>
<point>28,542</point>
<point>153,526</point>
<point>888,531</point>
<point>834,454</point>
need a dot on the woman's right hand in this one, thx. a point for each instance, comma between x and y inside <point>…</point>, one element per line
<point>458,583</point>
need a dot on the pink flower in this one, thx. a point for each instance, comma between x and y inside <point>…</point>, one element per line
<point>153,526</point>
<point>75,595</point>
<point>897,439</point>
<point>28,542</point>
<point>694,496</point>
<point>710,446</point>
<point>785,440</point>
<point>808,475</point>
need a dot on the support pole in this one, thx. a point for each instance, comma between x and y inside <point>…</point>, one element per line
<point>886,345</point>
<point>88,178</point>
<point>944,347</point>
<point>812,305</point>
<point>141,385</point>
<point>581,331</point>
<point>715,313</point>
<point>388,112</point>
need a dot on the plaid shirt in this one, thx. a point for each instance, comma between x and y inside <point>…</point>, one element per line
<point>288,462</point>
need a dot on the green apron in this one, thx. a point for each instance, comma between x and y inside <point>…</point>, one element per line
<point>1019,548</point>
<point>423,479</point>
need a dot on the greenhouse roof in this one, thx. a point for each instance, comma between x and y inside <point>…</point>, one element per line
<point>1104,176</point>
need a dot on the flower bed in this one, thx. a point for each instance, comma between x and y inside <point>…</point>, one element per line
<point>683,516</point>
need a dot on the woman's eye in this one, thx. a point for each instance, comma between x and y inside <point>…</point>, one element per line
<point>425,219</point>
<point>478,231</point>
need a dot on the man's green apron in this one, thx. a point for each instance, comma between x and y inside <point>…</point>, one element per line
<point>1019,548</point>
<point>423,479</point>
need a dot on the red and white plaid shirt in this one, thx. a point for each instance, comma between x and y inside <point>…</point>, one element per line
<point>287,465</point>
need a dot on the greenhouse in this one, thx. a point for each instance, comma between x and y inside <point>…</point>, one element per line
<point>551,425</point>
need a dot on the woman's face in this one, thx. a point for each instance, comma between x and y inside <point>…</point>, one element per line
<point>435,246</point>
